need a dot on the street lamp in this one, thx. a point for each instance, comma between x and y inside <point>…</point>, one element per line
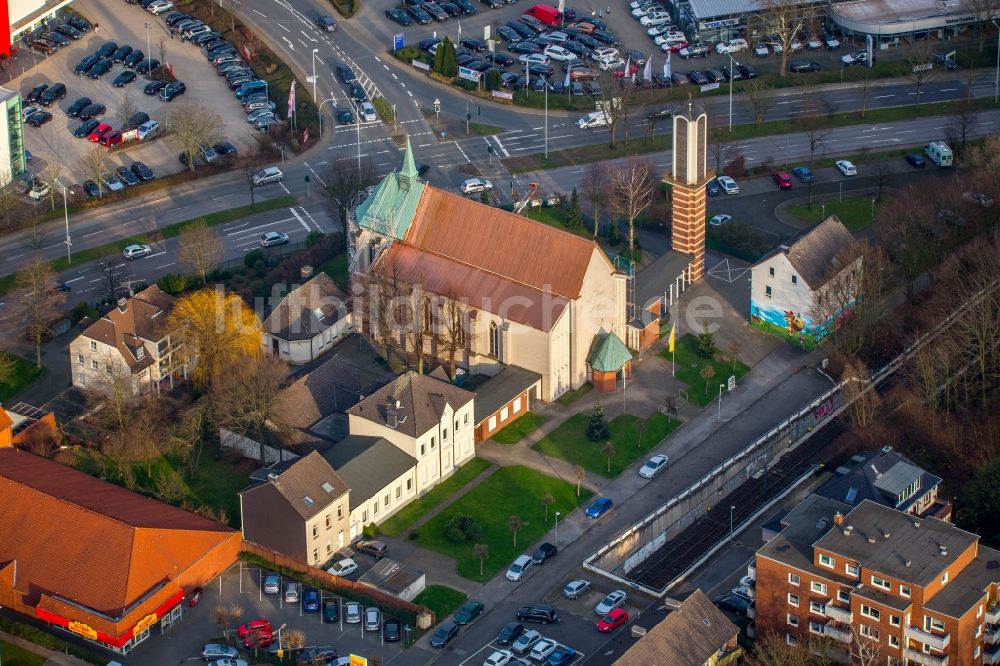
<point>733,65</point>
<point>315,51</point>
<point>148,54</point>
<point>557,528</point>
<point>731,509</point>
<point>721,386</point>
<point>69,243</point>
<point>996,84</point>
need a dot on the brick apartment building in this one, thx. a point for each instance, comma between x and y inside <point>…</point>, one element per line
<point>916,590</point>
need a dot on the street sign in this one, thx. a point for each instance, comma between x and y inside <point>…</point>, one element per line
<point>731,384</point>
<point>397,42</point>
<point>437,106</point>
<point>709,86</point>
<point>468,74</point>
<point>486,33</point>
<point>927,66</point>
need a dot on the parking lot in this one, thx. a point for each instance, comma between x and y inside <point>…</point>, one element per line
<point>122,24</point>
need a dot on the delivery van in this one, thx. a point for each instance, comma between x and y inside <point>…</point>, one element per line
<point>547,14</point>
<point>939,153</point>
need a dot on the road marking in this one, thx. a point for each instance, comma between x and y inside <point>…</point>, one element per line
<point>92,233</point>
<point>291,47</point>
<point>283,27</point>
<point>318,177</point>
<point>165,266</point>
<point>150,256</point>
<point>396,77</point>
<point>311,219</point>
<point>173,209</point>
<point>463,153</point>
<point>224,196</point>
<point>256,12</point>
<point>377,59</point>
<point>303,43</point>
<point>310,38</point>
<point>283,187</point>
<point>259,226</point>
<point>948,89</point>
<point>409,93</point>
<point>499,145</point>
<point>301,221</point>
<point>424,145</point>
<point>75,279</point>
<point>883,96</point>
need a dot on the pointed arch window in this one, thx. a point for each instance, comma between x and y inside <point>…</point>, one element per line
<point>494,340</point>
<point>428,316</point>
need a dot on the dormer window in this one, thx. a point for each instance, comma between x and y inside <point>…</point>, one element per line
<point>140,352</point>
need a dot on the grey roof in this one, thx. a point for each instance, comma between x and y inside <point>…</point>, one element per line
<point>497,391</point>
<point>309,485</point>
<point>332,386</point>
<point>896,542</point>
<point>655,279</point>
<point>815,253</point>
<point>367,464</point>
<point>882,598</point>
<point>968,587</point>
<point>307,310</point>
<point>390,576</point>
<point>870,476</point>
<point>807,522</point>
<point>421,401</point>
<point>710,9</point>
<point>689,636</point>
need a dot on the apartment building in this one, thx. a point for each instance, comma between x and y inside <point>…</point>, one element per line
<point>877,580</point>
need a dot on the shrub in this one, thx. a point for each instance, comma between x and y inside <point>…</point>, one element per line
<point>741,240</point>
<point>493,80</point>
<point>173,283</point>
<point>313,238</point>
<point>251,258</point>
<point>465,84</point>
<point>408,53</point>
<point>463,529</point>
<point>597,429</point>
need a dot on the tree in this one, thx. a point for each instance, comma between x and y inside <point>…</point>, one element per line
<point>595,189</point>
<point>719,149</point>
<point>514,524</point>
<point>224,615</point>
<point>38,303</point>
<point>670,404</point>
<point>632,188</point>
<point>482,553</point>
<point>50,176</point>
<point>984,11</point>
<point>786,19</point>
<point>864,88</point>
<point>707,372</point>
<point>484,196</point>
<point>706,343</point>
<point>250,173</point>
<point>347,181</point>
<point>446,59</point>
<point>920,63</point>
<point>773,650</point>
<point>608,451</point>
<point>597,429</point>
<point>293,639</point>
<point>117,277</point>
<point>614,101</point>
<point>965,120</point>
<point>127,107</point>
<point>94,165</point>
<point>195,126</point>
<point>493,80</point>
<point>547,500</point>
<point>734,350</point>
<point>217,330</point>
<point>574,216</point>
<point>462,529</point>
<point>246,399</point>
<point>453,334</point>
<point>200,248</point>
<point>580,473</point>
<point>760,99</point>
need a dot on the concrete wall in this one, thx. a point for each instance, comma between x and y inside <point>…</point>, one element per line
<point>251,449</point>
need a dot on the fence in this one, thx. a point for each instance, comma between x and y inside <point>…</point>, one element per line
<point>420,616</point>
<point>637,543</point>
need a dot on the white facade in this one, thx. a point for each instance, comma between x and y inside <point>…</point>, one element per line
<point>298,352</point>
<point>390,499</point>
<point>93,364</point>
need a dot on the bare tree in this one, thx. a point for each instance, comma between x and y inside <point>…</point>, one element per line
<point>247,400</point>
<point>984,11</point>
<point>383,306</point>
<point>195,126</point>
<point>760,99</point>
<point>200,248</point>
<point>225,615</point>
<point>453,333</point>
<point>50,175</point>
<point>548,500</point>
<point>294,639</point>
<point>979,327</point>
<point>38,303</point>
<point>595,190</point>
<point>94,165</point>
<point>117,277</point>
<point>514,524</point>
<point>608,451</point>
<point>580,472</point>
<point>965,120</point>
<point>864,88</point>
<point>772,649</point>
<point>416,316</point>
<point>162,43</point>
<point>786,19</point>
<point>720,150</point>
<point>347,182</point>
<point>482,553</point>
<point>920,62</point>
<point>127,107</point>
<point>614,101</point>
<point>632,194</point>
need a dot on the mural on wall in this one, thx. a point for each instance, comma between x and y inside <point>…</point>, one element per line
<point>796,325</point>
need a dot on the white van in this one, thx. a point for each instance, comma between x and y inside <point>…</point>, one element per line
<point>939,153</point>
<point>592,119</point>
<point>268,175</point>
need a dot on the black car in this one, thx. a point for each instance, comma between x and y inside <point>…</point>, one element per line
<point>465,58</point>
<point>500,59</point>
<point>698,78</point>
<point>76,107</point>
<point>121,53</point>
<point>227,67</point>
<point>507,79</point>
<point>146,66</point>
<point>661,114</point>
<point>391,630</point>
<point>100,68</point>
<point>524,31</point>
<point>510,632</point>
<point>605,37</point>
<point>399,16</point>
<point>225,148</point>
<point>423,170</point>
<point>207,40</point>
<point>358,94</point>
<point>91,189</point>
<point>577,49</point>
<point>136,119</point>
<point>326,23</point>
<point>345,116</point>
<point>798,66</point>
<point>172,90</point>
<point>732,74</point>
<point>331,609</point>
<point>36,93</point>
<point>218,50</point>
<point>54,92</point>
<point>420,16</point>
<point>154,87</point>
<point>142,171</point>
<point>469,611</point>
<point>346,74</point>
<point>451,8</point>
<point>540,613</point>
<point>733,603</point>
<point>79,23</point>
<point>127,177</point>
<point>444,634</point>
<point>39,118</point>
<point>69,31</point>
<point>466,7</point>
<point>507,34</point>
<point>748,72</point>
<point>694,51</point>
<point>594,21</point>
<point>238,79</point>
<point>107,50</point>
<point>133,59</point>
<point>538,69</point>
<point>493,4</point>
<point>916,161</point>
<point>123,79</point>
<point>376,549</point>
<point>473,43</point>
<point>715,76</point>
<point>175,17</point>
<point>57,38</point>
<point>524,47</point>
<point>86,128</point>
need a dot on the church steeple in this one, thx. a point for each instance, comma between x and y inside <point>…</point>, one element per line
<point>408,174</point>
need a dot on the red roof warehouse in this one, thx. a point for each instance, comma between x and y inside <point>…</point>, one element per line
<point>101,561</point>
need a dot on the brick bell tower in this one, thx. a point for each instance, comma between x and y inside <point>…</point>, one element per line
<point>688,177</point>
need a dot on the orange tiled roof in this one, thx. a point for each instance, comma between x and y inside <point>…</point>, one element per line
<point>91,542</point>
<point>143,317</point>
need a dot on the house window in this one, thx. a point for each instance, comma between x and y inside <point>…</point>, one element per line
<point>517,404</point>
<point>494,340</point>
<point>329,548</point>
<point>140,352</point>
<point>979,611</point>
<point>791,639</point>
<point>869,632</point>
<point>385,502</point>
<point>795,279</point>
<point>815,628</point>
<point>793,600</point>
<point>793,579</point>
<point>793,620</point>
<point>93,364</point>
<point>492,425</point>
<point>93,346</point>
<point>444,435</point>
<point>873,613</point>
<point>504,413</point>
<point>315,531</point>
<point>877,581</point>
<point>107,368</point>
<point>894,620</point>
<point>771,271</point>
<point>340,512</point>
<point>364,517</point>
<point>315,554</point>
<point>852,570</point>
<point>423,449</point>
<point>933,624</point>
<point>844,595</point>
<point>428,316</point>
<point>433,442</point>
<point>409,485</point>
<point>328,521</point>
<point>904,590</point>
<point>79,359</point>
<point>399,491</point>
<point>456,425</point>
<point>375,508</point>
<point>978,651</point>
<point>826,561</point>
<point>893,641</point>
<point>767,291</point>
<point>817,607</point>
<point>818,587</point>
<point>465,419</point>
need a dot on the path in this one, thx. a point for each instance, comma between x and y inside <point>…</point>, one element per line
<point>52,658</point>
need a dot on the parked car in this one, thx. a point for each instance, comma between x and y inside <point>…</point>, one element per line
<point>612,621</point>
<point>217,651</point>
<point>804,174</point>
<point>85,64</point>
<point>127,177</point>
<point>575,588</point>
<point>99,69</point>
<point>134,252</point>
<point>469,611</point>
<point>653,466</point>
<point>352,612</point>
<point>444,634</point>
<point>392,630</point>
<point>39,118</point>
<point>86,128</point>
<point>110,139</point>
<point>599,507</point>
<point>541,613</point>
<point>720,220</point>
<point>91,189</point>
<point>373,619</point>
<point>270,239</point>
<point>733,603</point>
<point>782,179</point>
<point>612,601</point>
<point>143,172</point>
<point>847,168</point>
<point>310,600</point>
<point>123,79</point>
<point>728,185</point>
<point>172,90</point>
<point>916,160</point>
<point>76,107</point>
<point>525,642</point>
<point>98,131</point>
<point>509,633</point>
<point>331,610</point>
<point>800,66</point>
<point>519,567</point>
<point>544,552</point>
<point>543,649</point>
<point>272,583</point>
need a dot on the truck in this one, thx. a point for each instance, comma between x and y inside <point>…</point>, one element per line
<point>547,14</point>
<point>939,153</point>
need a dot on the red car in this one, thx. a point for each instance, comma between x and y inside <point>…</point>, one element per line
<point>245,630</point>
<point>675,46</point>
<point>98,132</point>
<point>259,639</point>
<point>783,180</point>
<point>612,621</point>
<point>111,139</point>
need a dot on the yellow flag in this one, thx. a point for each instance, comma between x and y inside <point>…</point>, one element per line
<point>673,335</point>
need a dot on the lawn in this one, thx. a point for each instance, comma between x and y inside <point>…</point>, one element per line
<point>409,514</point>
<point>854,212</point>
<point>569,441</point>
<point>569,397</point>
<point>690,364</point>
<point>483,129</point>
<point>23,374</point>
<point>442,600</point>
<point>15,655</point>
<point>514,432</point>
<point>555,217</point>
<point>511,491</point>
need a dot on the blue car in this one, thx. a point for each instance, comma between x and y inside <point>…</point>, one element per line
<point>599,507</point>
<point>713,189</point>
<point>804,174</point>
<point>562,655</point>
<point>310,600</point>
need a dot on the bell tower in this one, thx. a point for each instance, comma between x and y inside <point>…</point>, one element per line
<point>688,177</point>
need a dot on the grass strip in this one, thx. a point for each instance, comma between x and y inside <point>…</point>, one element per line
<point>440,599</point>
<point>412,512</point>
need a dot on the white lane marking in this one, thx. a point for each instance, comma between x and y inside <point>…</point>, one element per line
<point>75,279</point>
<point>173,209</point>
<point>313,171</point>
<point>377,59</point>
<point>150,256</point>
<point>500,146</point>
<point>303,43</point>
<point>283,27</point>
<point>165,266</point>
<point>396,77</point>
<point>309,37</point>
<point>409,93</point>
<point>311,219</point>
<point>283,187</point>
<point>92,233</point>
<point>256,12</point>
<point>301,221</point>
<point>259,226</point>
<point>463,153</point>
<point>883,96</point>
<point>224,196</point>
<point>424,145</point>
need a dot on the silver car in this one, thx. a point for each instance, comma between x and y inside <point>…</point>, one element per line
<point>352,612</point>
<point>575,588</point>
<point>136,251</point>
<point>373,619</point>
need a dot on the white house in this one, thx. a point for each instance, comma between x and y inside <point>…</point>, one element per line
<point>790,284</point>
<point>307,322</point>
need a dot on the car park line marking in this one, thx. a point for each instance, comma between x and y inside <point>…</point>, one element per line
<point>256,12</point>
<point>73,280</point>
<point>282,27</point>
<point>303,43</point>
<point>311,219</point>
<point>165,265</point>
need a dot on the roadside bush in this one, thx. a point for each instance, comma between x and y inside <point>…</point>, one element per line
<point>39,637</point>
<point>740,240</point>
<point>313,238</point>
<point>408,53</point>
<point>252,257</point>
<point>493,81</point>
<point>463,529</point>
<point>346,8</point>
<point>465,84</point>
<point>173,283</point>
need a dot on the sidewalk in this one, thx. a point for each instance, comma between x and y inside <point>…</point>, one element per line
<point>52,658</point>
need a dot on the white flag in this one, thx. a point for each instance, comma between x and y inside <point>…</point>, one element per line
<point>459,31</point>
<point>647,73</point>
<point>666,67</point>
<point>628,67</point>
<point>566,82</point>
<point>291,100</point>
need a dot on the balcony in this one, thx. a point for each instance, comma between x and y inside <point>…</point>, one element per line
<point>837,634</point>
<point>993,616</point>
<point>917,657</point>
<point>934,640</point>
<point>992,634</point>
<point>991,656</point>
<point>838,614</point>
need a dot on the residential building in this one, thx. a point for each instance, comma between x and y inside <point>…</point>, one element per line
<point>695,634</point>
<point>871,578</point>
<point>889,478</point>
<point>12,162</point>
<point>301,511</point>
<point>130,343</point>
<point>483,288</point>
<point>801,287</point>
<point>99,561</point>
<point>308,321</point>
<point>503,398</point>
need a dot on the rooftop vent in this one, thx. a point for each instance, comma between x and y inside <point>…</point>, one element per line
<point>838,519</point>
<point>327,487</point>
<point>886,534</point>
<point>908,563</point>
<point>707,623</point>
<point>848,530</point>
<point>886,449</point>
<point>306,271</point>
<point>916,523</point>
<point>943,549</point>
<point>871,539</point>
<point>821,523</point>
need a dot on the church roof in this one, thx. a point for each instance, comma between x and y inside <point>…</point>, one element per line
<point>608,354</point>
<point>391,207</point>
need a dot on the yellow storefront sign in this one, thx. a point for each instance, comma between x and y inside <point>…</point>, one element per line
<point>143,624</point>
<point>84,630</point>
<point>358,661</point>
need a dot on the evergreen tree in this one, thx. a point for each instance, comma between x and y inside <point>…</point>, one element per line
<point>706,343</point>
<point>597,429</point>
<point>439,58</point>
<point>493,81</point>
<point>484,196</point>
<point>574,218</point>
<point>449,60</point>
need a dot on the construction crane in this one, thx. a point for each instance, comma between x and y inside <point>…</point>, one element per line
<point>520,205</point>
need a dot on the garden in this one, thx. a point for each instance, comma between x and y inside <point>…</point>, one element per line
<point>415,510</point>
<point>515,431</point>
<point>703,367</point>
<point>16,374</point>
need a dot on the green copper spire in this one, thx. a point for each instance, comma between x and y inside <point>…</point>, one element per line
<point>408,174</point>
